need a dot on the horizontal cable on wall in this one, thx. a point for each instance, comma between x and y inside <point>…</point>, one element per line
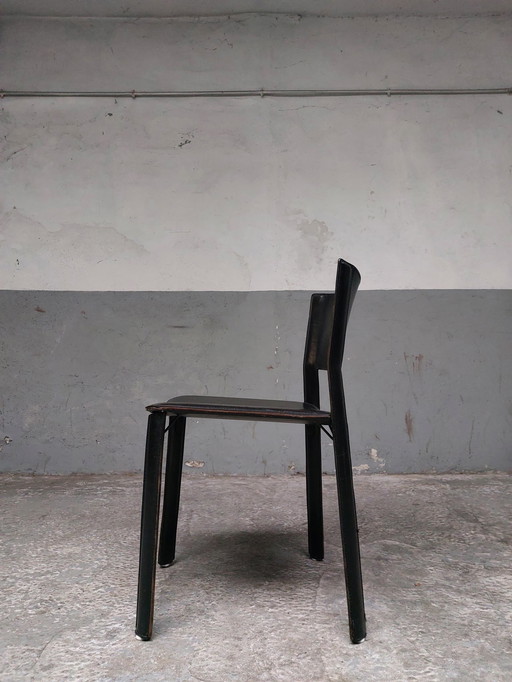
<point>135,94</point>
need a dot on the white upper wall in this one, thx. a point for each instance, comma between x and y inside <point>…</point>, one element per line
<point>255,193</point>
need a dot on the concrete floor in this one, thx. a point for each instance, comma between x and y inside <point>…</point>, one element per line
<point>243,602</point>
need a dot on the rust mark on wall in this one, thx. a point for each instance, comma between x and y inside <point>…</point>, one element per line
<point>471,435</point>
<point>414,362</point>
<point>409,427</point>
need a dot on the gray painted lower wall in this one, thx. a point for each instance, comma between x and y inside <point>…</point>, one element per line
<point>427,374</point>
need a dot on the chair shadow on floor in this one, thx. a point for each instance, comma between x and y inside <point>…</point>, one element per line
<point>240,570</point>
<point>253,557</point>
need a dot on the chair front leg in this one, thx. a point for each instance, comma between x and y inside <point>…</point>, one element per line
<point>349,531</point>
<point>314,492</point>
<point>149,525</point>
<point>174,466</point>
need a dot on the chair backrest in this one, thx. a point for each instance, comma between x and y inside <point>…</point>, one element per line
<point>327,326</point>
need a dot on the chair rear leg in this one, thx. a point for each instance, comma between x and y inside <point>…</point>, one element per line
<point>349,533</point>
<point>314,492</point>
<point>149,525</point>
<point>175,444</point>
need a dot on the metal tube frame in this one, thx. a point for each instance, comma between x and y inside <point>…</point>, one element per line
<point>166,94</point>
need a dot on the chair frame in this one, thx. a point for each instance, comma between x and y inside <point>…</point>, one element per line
<point>325,343</point>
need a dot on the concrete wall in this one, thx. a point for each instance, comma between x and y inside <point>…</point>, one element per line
<point>232,211</point>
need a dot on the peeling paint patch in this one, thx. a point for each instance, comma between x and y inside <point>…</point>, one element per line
<point>374,455</point>
<point>89,244</point>
<point>16,151</point>
<point>360,468</point>
<point>194,464</point>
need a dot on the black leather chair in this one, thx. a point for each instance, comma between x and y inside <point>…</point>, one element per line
<point>325,341</point>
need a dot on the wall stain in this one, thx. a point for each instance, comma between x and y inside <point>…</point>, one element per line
<point>313,240</point>
<point>38,309</point>
<point>409,427</point>
<point>186,138</point>
<point>315,231</point>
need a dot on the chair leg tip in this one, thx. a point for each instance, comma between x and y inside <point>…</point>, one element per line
<point>142,638</point>
<point>166,565</point>
<point>359,641</point>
